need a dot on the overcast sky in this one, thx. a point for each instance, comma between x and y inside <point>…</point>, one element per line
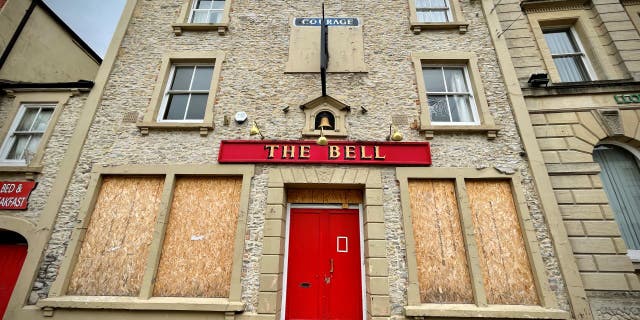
<point>93,20</point>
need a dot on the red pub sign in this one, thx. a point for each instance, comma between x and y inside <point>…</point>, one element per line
<point>337,152</point>
<point>15,194</point>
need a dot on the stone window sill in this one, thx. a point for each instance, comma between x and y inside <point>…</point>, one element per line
<point>417,27</point>
<point>178,28</point>
<point>492,311</point>
<point>21,169</point>
<point>145,126</point>
<point>491,130</point>
<point>29,171</point>
<point>135,303</point>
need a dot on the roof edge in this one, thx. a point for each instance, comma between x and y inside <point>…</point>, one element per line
<point>70,31</point>
<point>80,84</point>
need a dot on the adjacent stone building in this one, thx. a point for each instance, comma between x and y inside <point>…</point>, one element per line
<point>586,121</point>
<point>46,73</point>
<point>214,172</point>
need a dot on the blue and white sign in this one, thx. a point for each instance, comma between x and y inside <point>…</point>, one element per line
<point>331,22</point>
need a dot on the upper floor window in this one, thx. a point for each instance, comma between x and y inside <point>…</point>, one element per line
<point>568,55</point>
<point>203,15</point>
<point>449,95</point>
<point>185,92</point>
<point>433,11</point>
<point>186,97</point>
<point>207,11</point>
<point>25,133</point>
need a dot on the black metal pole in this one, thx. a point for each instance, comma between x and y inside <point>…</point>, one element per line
<point>324,53</point>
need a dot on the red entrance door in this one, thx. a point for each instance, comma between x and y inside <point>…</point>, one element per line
<point>324,272</point>
<point>11,259</point>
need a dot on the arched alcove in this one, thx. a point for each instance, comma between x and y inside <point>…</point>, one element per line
<point>620,174</point>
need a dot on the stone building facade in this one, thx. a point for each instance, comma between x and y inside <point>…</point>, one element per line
<point>46,73</point>
<point>148,218</point>
<point>580,120</point>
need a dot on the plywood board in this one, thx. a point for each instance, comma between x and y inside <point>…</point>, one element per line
<point>324,196</point>
<point>116,244</point>
<point>197,254</point>
<point>443,272</point>
<point>503,258</point>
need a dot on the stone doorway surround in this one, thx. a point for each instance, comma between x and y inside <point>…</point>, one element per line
<point>375,253</point>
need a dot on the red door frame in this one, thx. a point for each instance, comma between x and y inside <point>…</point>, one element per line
<point>13,256</point>
<point>286,253</point>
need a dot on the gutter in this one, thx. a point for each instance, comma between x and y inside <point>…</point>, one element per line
<point>81,84</point>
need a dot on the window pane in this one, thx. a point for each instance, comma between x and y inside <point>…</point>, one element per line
<point>176,107</point>
<point>560,42</point>
<point>438,108</point>
<point>215,17</point>
<point>460,109</point>
<point>423,16</point>
<point>439,3</point>
<point>27,119</point>
<point>203,4</point>
<point>422,3</point>
<point>196,107</point>
<point>202,78</point>
<point>433,79</point>
<point>18,147</point>
<point>182,78</point>
<point>42,120</point>
<point>571,69</point>
<point>456,81</point>
<point>437,16</point>
<point>201,16</point>
<point>218,4</point>
<point>33,146</point>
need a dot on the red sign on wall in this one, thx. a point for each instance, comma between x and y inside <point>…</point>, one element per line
<point>15,194</point>
<point>337,152</point>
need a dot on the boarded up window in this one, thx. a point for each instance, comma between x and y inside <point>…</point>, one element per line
<point>197,255</point>
<point>503,257</point>
<point>116,245</point>
<point>443,271</point>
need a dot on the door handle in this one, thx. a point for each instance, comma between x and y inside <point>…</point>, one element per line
<point>331,263</point>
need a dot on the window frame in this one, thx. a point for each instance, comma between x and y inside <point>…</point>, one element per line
<point>446,10</point>
<point>548,307</point>
<point>210,10</point>
<point>168,92</point>
<point>456,19</point>
<point>470,95</point>
<point>11,134</point>
<point>602,66</point>
<point>574,37</point>
<point>469,60</point>
<point>57,100</point>
<point>183,23</point>
<point>158,99</point>
<point>145,299</point>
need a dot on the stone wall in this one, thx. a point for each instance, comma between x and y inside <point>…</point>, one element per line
<point>567,140</point>
<point>253,81</point>
<point>602,36</point>
<point>53,154</point>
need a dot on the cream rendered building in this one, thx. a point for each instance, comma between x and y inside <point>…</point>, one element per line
<point>46,73</point>
<point>164,205</point>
